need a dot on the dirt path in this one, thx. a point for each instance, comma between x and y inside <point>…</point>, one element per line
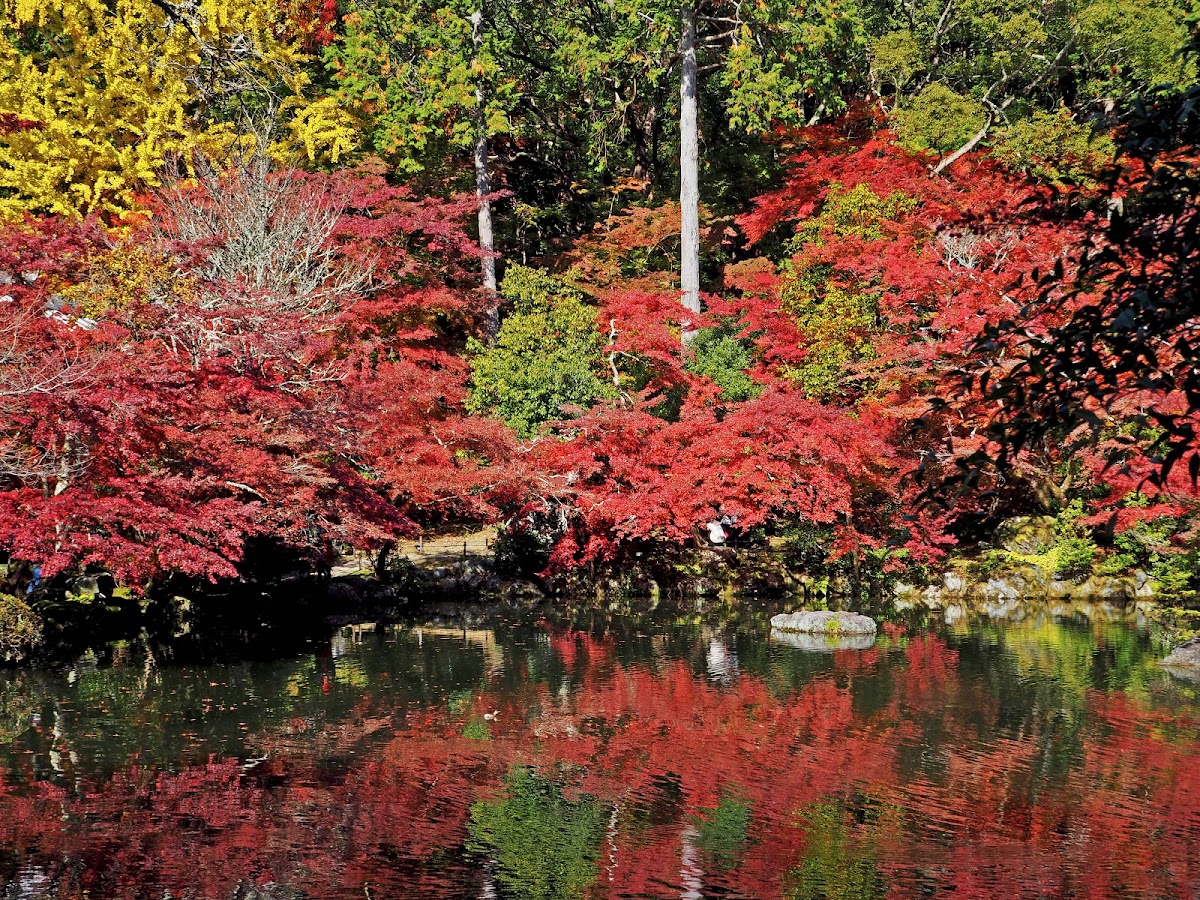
<point>447,549</point>
<point>430,553</point>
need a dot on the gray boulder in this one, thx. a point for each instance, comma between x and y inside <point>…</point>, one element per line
<point>823,622</point>
<point>1185,656</point>
<point>1026,534</point>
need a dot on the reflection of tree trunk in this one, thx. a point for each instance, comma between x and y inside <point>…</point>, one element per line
<point>613,834</point>
<point>689,173</point>
<point>483,189</point>
<point>488,891</point>
<point>691,876</point>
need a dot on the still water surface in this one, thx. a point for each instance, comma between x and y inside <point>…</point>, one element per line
<point>628,758</point>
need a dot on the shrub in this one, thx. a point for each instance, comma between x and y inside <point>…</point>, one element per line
<point>524,546</point>
<point>1151,545</point>
<point>837,327</point>
<point>20,628</point>
<point>546,357</point>
<point>897,57</point>
<point>1176,575</point>
<point>1074,551</point>
<point>1074,557</point>
<point>724,358</point>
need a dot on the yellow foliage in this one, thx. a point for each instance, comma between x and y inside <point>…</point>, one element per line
<point>118,86</point>
<point>114,279</point>
<point>325,129</point>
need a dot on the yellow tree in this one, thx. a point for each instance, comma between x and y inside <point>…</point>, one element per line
<point>113,89</point>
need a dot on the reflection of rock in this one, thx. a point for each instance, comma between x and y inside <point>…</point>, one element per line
<point>1185,656</point>
<point>267,891</point>
<point>722,662</point>
<point>986,600</point>
<point>823,643</point>
<point>824,622</point>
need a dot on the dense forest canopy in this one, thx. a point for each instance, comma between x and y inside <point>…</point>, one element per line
<point>944,252</point>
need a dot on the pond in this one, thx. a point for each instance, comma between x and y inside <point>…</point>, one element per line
<point>661,756</point>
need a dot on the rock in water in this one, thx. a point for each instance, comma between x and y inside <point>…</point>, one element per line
<point>824,622</point>
<point>1185,656</point>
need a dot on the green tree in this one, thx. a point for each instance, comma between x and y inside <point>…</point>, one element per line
<point>957,71</point>
<point>545,358</point>
<point>427,74</point>
<point>583,101</point>
<point>721,355</point>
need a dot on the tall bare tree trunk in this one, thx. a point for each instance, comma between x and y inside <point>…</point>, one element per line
<point>483,189</point>
<point>689,173</point>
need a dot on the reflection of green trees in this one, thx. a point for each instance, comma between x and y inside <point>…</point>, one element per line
<point>839,860</point>
<point>722,831</point>
<point>21,695</point>
<point>543,845</point>
<point>1047,663</point>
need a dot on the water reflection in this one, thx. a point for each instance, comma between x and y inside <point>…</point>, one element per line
<point>823,643</point>
<point>1046,757</point>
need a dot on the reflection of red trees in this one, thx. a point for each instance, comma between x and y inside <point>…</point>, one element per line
<point>1095,800</point>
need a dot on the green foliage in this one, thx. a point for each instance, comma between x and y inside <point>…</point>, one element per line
<point>545,359</point>
<point>1176,575</point>
<point>1150,545</point>
<point>946,65</point>
<point>837,326</point>
<point>1127,46</point>
<point>939,119</point>
<point>546,847</point>
<point>411,69</point>
<point>1074,558</point>
<point>584,97</point>
<point>523,547</point>
<point>837,315</point>
<point>477,730</point>
<point>1072,552</point>
<point>857,212</point>
<point>784,53</point>
<point>1076,550</point>
<point>20,628</point>
<point>1054,148</point>
<point>402,573</point>
<point>1066,551</point>
<point>896,58</point>
<point>721,356</point>
<point>1179,624</point>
